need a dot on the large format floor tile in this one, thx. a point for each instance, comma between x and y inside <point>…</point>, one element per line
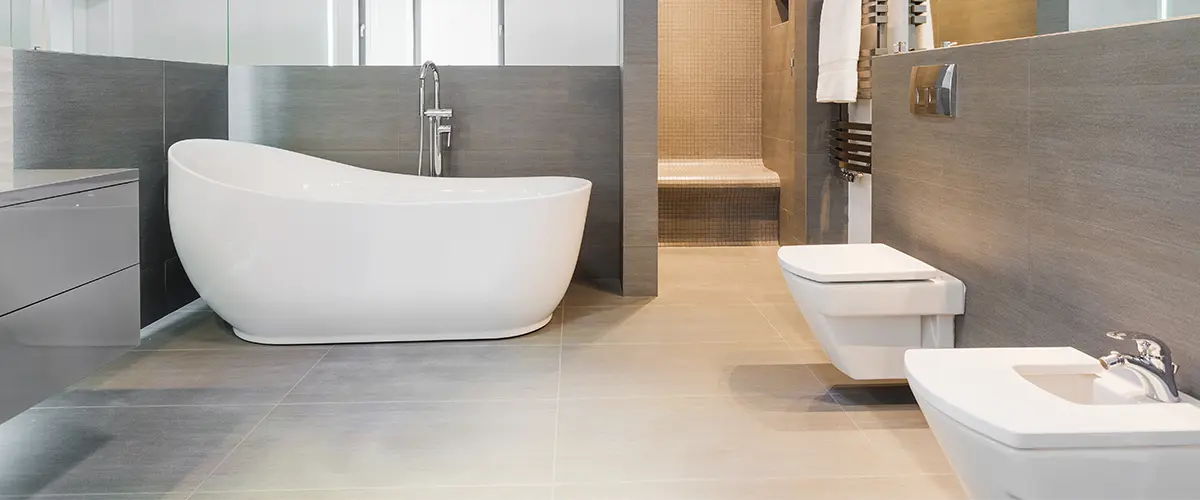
<point>431,372</point>
<point>855,488</point>
<point>118,450</point>
<point>379,445</point>
<point>432,493</point>
<point>716,438</point>
<point>703,369</point>
<point>666,324</point>
<point>716,390</point>
<point>207,377</point>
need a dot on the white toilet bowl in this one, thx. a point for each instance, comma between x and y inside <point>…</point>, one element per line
<point>1049,423</point>
<point>869,303</point>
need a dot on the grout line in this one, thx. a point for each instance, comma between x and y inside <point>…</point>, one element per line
<point>256,425</point>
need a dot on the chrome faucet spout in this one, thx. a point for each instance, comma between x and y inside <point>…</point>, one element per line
<point>434,120</point>
<point>1152,365</point>
<point>426,69</point>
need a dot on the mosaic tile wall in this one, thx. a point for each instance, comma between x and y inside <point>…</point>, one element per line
<point>710,79</point>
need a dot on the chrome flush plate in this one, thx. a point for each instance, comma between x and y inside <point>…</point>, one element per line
<point>933,90</point>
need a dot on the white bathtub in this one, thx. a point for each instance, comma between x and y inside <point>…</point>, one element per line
<point>292,249</point>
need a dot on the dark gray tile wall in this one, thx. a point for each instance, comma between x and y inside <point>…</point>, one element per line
<point>82,111</point>
<point>1065,194</point>
<point>639,148</point>
<point>824,197</point>
<point>508,121</point>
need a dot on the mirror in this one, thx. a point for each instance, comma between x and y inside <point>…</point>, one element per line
<point>324,32</point>
<point>974,21</point>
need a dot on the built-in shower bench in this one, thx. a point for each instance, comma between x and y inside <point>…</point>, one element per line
<point>717,202</point>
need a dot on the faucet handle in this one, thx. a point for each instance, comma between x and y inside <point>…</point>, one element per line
<point>1147,345</point>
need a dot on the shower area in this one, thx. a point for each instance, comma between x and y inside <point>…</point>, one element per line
<point>727,123</point>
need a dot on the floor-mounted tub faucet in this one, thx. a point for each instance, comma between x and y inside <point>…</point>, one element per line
<point>434,119</point>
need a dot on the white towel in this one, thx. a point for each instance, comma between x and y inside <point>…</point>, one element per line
<point>841,29</point>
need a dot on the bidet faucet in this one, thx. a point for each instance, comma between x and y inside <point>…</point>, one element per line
<point>1152,365</point>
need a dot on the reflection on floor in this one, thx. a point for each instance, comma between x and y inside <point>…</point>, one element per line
<point>715,390</point>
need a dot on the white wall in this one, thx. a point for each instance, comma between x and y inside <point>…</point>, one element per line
<point>389,33</point>
<point>292,32</point>
<point>174,30</point>
<point>1087,14</point>
<point>460,32</point>
<point>562,32</point>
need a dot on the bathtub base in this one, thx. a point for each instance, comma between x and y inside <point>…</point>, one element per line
<point>344,338</point>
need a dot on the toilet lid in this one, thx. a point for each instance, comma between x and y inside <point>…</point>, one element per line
<point>853,263</point>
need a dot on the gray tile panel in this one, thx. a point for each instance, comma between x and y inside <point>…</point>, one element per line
<point>49,93</point>
<point>640,114</point>
<point>640,201</point>
<point>324,108</point>
<point>1065,203</point>
<point>639,269</point>
<point>197,102</point>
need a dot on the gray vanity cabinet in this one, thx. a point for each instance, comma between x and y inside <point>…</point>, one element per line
<point>69,284</point>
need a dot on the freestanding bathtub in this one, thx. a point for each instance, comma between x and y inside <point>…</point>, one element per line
<point>292,249</point>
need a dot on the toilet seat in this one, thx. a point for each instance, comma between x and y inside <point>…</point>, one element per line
<point>853,263</point>
<point>869,303</point>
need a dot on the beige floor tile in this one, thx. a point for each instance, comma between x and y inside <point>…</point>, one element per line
<point>858,488</point>
<point>915,451</point>
<point>665,324</point>
<point>790,323</point>
<point>718,438</point>
<point>743,369</point>
<point>435,493</point>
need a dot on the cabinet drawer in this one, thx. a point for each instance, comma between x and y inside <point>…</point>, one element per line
<point>53,245</point>
<point>50,345</point>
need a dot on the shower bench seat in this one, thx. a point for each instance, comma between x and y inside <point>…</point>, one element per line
<point>717,202</point>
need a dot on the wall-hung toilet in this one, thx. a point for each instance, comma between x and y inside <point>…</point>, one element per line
<point>869,303</point>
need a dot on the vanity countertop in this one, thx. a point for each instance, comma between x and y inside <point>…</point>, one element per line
<point>32,185</point>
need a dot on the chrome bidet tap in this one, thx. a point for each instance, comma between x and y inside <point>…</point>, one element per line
<point>1152,365</point>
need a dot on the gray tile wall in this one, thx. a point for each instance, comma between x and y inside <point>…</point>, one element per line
<point>1066,194</point>
<point>82,111</point>
<point>639,148</point>
<point>509,121</point>
<point>822,204</point>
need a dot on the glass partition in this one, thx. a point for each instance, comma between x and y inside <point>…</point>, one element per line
<point>974,21</point>
<point>323,32</point>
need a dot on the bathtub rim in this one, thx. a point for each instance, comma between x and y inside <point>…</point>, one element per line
<point>583,184</point>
